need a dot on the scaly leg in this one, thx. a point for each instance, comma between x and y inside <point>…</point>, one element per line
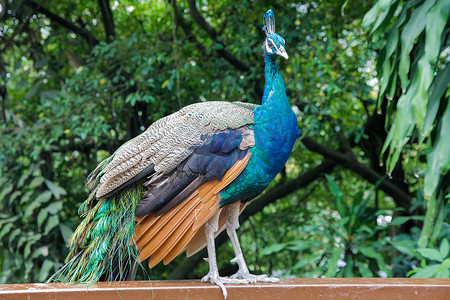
<point>213,274</point>
<point>232,223</point>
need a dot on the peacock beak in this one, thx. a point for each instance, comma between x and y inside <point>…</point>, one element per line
<point>282,52</point>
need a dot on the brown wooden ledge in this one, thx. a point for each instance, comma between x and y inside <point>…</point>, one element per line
<point>298,288</point>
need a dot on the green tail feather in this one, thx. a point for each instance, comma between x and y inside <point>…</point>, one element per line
<point>104,237</point>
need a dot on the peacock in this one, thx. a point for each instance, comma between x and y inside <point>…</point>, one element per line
<point>184,180</point>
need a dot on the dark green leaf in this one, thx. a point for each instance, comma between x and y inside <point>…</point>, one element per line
<point>45,270</point>
<point>66,231</point>
<point>444,249</point>
<point>432,254</point>
<point>427,272</point>
<point>56,190</point>
<point>52,222</point>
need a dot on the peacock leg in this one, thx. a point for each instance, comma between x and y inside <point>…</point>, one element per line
<point>213,275</point>
<point>232,223</point>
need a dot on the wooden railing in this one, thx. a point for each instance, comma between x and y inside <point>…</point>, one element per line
<point>299,288</point>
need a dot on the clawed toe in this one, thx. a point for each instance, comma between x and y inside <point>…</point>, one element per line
<point>216,279</point>
<point>220,281</point>
<point>254,278</point>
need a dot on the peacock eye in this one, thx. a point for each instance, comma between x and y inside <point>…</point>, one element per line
<point>270,45</point>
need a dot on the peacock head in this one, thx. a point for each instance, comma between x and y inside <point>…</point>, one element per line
<point>274,43</point>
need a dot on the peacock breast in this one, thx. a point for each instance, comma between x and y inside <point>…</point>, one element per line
<point>274,140</point>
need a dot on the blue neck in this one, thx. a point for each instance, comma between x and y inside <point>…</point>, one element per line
<point>274,88</point>
<point>276,130</point>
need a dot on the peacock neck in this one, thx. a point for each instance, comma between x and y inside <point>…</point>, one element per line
<point>274,88</point>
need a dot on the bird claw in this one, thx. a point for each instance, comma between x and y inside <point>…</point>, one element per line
<point>220,281</point>
<point>254,278</point>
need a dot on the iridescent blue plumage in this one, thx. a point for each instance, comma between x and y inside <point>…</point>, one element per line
<point>276,127</point>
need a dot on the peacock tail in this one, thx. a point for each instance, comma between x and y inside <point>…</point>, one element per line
<point>102,246</point>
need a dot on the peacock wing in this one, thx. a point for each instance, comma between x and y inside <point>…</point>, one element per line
<point>167,143</point>
<point>163,237</point>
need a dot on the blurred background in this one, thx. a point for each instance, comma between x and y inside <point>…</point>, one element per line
<point>365,191</point>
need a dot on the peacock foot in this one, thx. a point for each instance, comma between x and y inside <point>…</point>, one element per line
<point>254,278</point>
<point>214,278</point>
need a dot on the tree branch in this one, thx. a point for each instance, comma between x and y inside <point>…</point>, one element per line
<point>108,20</point>
<point>3,90</point>
<point>198,18</point>
<point>212,33</point>
<point>185,268</point>
<point>63,22</point>
<point>364,171</point>
<point>186,28</point>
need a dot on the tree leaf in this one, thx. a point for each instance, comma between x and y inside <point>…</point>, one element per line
<point>16,232</point>
<point>407,247</point>
<point>426,272</point>
<point>304,262</point>
<point>432,254</point>
<point>444,249</point>
<point>66,231</point>
<point>364,270</point>
<point>273,249</point>
<point>5,191</point>
<point>42,216</point>
<point>371,16</point>
<point>52,222</point>
<point>56,190</point>
<point>410,32</point>
<point>371,253</point>
<point>400,130</point>
<point>45,270</point>
<point>332,265</point>
<point>443,270</point>
<point>433,170</point>
<point>342,209</point>
<point>27,249</point>
<point>6,229</point>
<point>42,198</point>
<point>436,90</point>
<point>36,181</point>
<point>444,148</point>
<point>437,17</point>
<point>403,219</point>
<point>387,9</point>
<point>54,207</point>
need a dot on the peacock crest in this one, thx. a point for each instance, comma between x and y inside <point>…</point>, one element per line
<point>269,20</point>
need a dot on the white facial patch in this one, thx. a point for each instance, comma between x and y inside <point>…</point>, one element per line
<point>268,49</point>
<point>274,46</point>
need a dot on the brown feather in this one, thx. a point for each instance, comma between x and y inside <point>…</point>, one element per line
<point>172,239</point>
<point>157,237</point>
<point>164,237</point>
<point>144,233</point>
<point>199,241</point>
<point>232,174</point>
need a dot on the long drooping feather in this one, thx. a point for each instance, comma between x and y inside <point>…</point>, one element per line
<point>102,246</point>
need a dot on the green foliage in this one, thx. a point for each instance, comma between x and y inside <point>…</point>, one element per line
<point>434,262</point>
<point>30,225</point>
<point>346,243</point>
<point>421,108</point>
